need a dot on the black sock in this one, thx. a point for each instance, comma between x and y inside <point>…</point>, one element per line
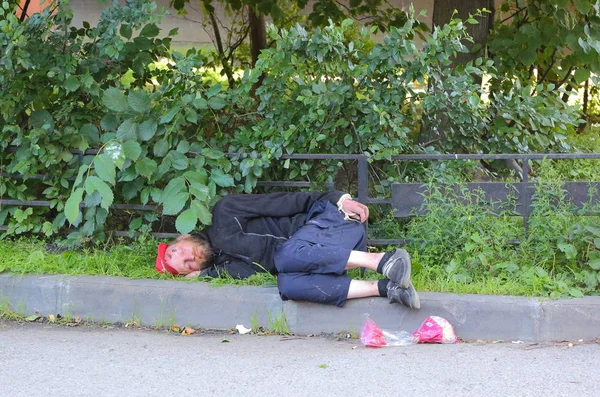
<point>382,286</point>
<point>386,256</point>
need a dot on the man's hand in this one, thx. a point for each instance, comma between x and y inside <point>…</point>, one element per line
<point>355,210</point>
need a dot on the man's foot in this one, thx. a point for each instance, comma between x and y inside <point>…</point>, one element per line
<point>397,268</point>
<point>406,296</point>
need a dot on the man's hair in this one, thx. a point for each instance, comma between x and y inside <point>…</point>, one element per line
<point>204,245</point>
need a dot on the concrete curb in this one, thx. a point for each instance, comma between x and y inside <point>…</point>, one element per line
<point>161,302</point>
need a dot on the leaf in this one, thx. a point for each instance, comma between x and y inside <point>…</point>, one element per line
<point>216,103</point>
<point>191,115</point>
<point>72,84</point>
<point>594,230</point>
<point>105,168</point>
<point>150,30</point>
<point>581,75</point>
<point>569,250</point>
<point>202,213</point>
<point>474,100</point>
<point>196,177</point>
<point>348,140</point>
<point>97,184</point>
<point>161,148</point>
<point>169,116</point>
<point>594,263</point>
<point>132,150</point>
<point>72,205</point>
<point>127,131</point>
<point>175,185</point>
<point>188,331</point>
<point>115,100</point>
<point>147,129</point>
<point>136,223</point>
<point>225,341</point>
<point>114,150</point>
<point>200,103</point>
<point>186,221</point>
<point>139,101</point>
<point>90,132</point>
<point>172,204</point>
<point>109,122</point>
<point>31,318</point>
<point>221,179</point>
<point>179,161</point>
<point>183,147</point>
<point>575,292</point>
<point>41,118</point>
<point>146,167</point>
<point>125,31</point>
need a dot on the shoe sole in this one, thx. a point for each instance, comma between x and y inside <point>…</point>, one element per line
<point>401,254</point>
<point>416,304</point>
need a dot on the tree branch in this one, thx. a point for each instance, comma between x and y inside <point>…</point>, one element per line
<point>513,15</point>
<point>564,80</point>
<point>541,80</point>
<point>24,10</point>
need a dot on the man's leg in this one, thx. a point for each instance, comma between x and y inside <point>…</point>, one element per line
<point>394,293</point>
<point>325,288</point>
<point>301,256</point>
<point>312,264</point>
<point>335,290</point>
<point>394,265</point>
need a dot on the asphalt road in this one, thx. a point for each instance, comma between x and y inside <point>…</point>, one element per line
<point>45,360</point>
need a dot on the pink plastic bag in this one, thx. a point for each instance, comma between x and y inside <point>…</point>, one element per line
<point>373,336</point>
<point>435,330</point>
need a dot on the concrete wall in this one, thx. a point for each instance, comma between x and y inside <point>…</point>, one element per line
<point>191,27</point>
<point>191,31</point>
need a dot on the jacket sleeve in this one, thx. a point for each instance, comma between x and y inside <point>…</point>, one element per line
<point>236,269</point>
<point>232,214</point>
<point>273,205</point>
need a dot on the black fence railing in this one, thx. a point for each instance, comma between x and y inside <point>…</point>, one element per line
<point>397,199</point>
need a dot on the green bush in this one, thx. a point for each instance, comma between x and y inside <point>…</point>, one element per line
<point>557,255</point>
<point>157,127</point>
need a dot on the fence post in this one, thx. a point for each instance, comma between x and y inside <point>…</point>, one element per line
<point>526,195</point>
<point>363,180</point>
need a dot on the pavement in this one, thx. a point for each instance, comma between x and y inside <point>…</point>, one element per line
<point>200,305</point>
<point>44,359</point>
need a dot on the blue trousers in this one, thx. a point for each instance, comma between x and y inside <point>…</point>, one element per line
<point>311,263</point>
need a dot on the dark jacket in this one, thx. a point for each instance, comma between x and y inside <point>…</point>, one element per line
<point>247,229</point>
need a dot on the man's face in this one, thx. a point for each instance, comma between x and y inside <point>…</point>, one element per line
<point>184,256</point>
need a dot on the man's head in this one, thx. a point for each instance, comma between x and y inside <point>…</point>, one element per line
<point>188,253</point>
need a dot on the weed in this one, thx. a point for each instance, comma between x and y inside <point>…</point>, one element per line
<point>254,322</point>
<point>7,314</point>
<point>278,324</point>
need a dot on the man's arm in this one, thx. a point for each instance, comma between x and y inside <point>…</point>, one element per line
<point>237,270</point>
<point>272,205</point>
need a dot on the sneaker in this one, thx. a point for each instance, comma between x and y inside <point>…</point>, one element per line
<point>406,296</point>
<point>397,268</point>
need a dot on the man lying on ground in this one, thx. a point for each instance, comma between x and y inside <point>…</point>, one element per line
<point>308,239</point>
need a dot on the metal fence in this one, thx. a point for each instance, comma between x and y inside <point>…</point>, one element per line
<point>362,164</point>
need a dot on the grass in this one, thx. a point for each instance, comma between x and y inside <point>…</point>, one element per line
<point>128,259</point>
<point>136,260</point>
<point>30,256</point>
<point>278,324</point>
